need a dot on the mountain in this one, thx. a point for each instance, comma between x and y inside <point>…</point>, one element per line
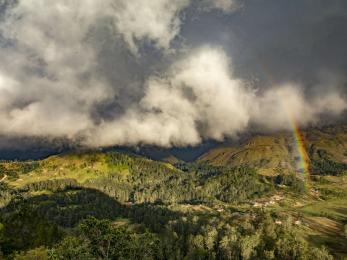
<point>267,153</point>
<point>278,152</point>
<point>246,201</point>
<point>32,148</point>
<point>187,154</point>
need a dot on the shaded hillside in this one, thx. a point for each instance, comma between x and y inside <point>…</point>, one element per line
<point>187,154</point>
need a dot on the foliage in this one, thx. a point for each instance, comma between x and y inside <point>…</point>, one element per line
<point>295,183</point>
<point>40,253</point>
<point>325,166</point>
<point>130,207</point>
<point>99,239</point>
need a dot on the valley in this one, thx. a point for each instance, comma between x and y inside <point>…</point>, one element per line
<point>242,202</point>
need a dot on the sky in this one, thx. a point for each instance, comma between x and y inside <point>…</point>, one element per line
<point>168,72</point>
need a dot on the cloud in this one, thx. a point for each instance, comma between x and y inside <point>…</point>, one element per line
<point>281,107</point>
<point>105,73</point>
<point>156,20</point>
<point>198,98</point>
<point>224,5</point>
<point>49,66</point>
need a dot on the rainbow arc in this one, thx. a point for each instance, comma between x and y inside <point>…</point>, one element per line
<point>304,159</point>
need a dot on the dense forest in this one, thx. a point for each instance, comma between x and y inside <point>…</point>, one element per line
<point>136,208</point>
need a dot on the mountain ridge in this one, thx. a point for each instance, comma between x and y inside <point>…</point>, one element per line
<point>271,153</point>
<point>73,204</point>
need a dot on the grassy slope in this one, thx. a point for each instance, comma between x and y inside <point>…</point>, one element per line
<point>326,216</point>
<point>277,152</point>
<point>332,140</point>
<point>81,167</point>
<point>322,218</point>
<point>267,153</point>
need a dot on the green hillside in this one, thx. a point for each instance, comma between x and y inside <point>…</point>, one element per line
<point>267,153</point>
<point>243,202</point>
<point>271,154</point>
<point>128,178</point>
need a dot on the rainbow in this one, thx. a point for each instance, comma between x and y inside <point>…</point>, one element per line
<point>300,145</point>
<point>298,136</point>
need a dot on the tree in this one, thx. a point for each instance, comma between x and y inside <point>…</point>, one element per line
<point>248,245</point>
<point>72,247</point>
<point>40,253</point>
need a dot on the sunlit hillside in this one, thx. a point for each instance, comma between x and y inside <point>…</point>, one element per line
<point>272,154</point>
<point>218,205</point>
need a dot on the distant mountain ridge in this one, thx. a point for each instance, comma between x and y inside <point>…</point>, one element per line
<point>269,153</point>
<point>189,203</point>
<point>278,152</point>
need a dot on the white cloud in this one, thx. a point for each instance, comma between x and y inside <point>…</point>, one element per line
<point>48,71</point>
<point>279,107</point>
<point>50,83</point>
<point>157,21</point>
<point>198,98</point>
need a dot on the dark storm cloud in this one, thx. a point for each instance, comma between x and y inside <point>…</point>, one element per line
<point>280,41</point>
<point>167,72</point>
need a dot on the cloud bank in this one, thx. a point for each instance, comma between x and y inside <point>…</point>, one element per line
<point>198,99</point>
<point>119,72</point>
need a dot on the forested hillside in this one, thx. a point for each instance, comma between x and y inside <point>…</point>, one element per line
<point>111,205</point>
